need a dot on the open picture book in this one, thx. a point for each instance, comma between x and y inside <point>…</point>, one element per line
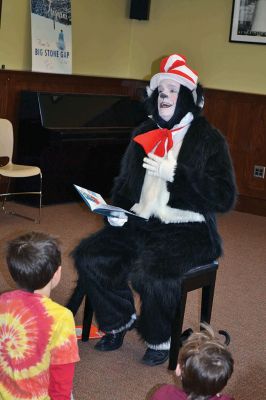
<point>97,204</point>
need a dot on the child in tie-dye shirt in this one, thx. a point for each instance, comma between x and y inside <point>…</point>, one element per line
<point>38,345</point>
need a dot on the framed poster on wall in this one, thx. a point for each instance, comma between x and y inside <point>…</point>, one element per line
<point>51,36</point>
<point>248,21</point>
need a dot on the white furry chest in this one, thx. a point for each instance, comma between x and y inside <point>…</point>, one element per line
<point>154,198</point>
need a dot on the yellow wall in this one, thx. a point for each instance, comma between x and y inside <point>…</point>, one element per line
<point>107,43</point>
<point>200,30</point>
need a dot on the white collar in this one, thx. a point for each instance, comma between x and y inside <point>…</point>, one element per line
<point>186,120</point>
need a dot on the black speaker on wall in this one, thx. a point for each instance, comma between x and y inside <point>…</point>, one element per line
<point>140,9</point>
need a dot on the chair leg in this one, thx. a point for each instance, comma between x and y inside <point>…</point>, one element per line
<point>207,300</point>
<point>74,304</point>
<point>75,300</point>
<point>40,201</point>
<point>18,214</point>
<point>4,197</point>
<point>177,326</point>
<point>87,319</point>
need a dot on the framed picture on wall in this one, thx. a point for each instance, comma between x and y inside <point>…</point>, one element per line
<point>248,22</point>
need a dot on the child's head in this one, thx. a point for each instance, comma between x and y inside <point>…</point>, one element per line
<point>205,365</point>
<point>33,259</point>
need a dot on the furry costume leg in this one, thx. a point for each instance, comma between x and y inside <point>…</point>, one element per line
<point>103,261</point>
<point>166,253</point>
<point>159,300</point>
<point>152,256</point>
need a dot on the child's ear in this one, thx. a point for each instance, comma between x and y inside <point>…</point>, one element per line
<point>178,370</point>
<point>56,278</point>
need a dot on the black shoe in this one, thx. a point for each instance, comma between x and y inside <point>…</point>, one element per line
<point>155,357</point>
<point>111,341</point>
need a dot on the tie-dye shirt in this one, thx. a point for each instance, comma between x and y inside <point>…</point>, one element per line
<point>35,332</point>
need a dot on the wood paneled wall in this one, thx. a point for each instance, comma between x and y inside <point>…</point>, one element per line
<point>13,82</point>
<point>240,117</point>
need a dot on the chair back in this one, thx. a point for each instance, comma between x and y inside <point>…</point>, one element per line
<point>6,139</point>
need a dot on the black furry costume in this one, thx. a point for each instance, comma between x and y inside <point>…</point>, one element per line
<point>153,255</point>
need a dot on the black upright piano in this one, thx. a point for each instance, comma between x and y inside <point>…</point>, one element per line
<point>75,139</point>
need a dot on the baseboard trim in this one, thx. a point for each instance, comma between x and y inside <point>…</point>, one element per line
<point>251,205</point>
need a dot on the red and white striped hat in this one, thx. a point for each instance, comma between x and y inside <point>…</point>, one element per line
<point>174,67</point>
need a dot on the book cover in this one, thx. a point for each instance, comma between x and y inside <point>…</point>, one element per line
<point>97,204</point>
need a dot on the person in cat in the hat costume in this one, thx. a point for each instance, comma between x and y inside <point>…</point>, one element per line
<point>177,174</point>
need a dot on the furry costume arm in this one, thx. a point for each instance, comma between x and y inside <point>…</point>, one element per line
<point>204,181</point>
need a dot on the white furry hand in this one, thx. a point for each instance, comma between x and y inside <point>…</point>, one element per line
<point>117,218</point>
<point>162,167</point>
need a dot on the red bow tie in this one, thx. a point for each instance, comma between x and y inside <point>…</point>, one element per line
<point>158,137</point>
